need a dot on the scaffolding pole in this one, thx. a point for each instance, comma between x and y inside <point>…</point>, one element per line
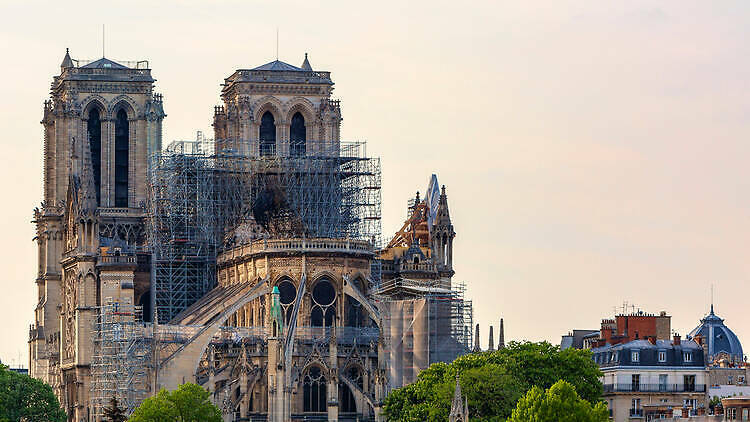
<point>200,205</point>
<point>122,358</point>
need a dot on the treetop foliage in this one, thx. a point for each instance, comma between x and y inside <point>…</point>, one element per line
<point>493,382</point>
<point>189,403</point>
<point>560,403</point>
<point>24,397</point>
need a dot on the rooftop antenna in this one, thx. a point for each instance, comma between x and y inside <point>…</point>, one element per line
<point>102,40</point>
<point>712,297</point>
<point>277,43</point>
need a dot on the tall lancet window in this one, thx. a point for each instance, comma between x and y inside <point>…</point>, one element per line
<point>267,134</point>
<point>95,147</point>
<point>297,136</point>
<point>121,159</point>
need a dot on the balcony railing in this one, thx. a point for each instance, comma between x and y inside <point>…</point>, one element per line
<point>654,388</point>
<point>636,413</point>
<point>301,245</point>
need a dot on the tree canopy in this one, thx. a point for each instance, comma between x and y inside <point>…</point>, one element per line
<point>113,412</point>
<point>189,403</point>
<point>493,382</point>
<point>24,397</point>
<point>560,403</point>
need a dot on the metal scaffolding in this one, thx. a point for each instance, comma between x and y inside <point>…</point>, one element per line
<point>122,358</point>
<point>422,325</point>
<point>201,204</point>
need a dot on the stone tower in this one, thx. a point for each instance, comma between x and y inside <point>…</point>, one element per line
<point>100,125</point>
<point>278,109</point>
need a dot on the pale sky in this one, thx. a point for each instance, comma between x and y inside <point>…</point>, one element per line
<point>593,152</point>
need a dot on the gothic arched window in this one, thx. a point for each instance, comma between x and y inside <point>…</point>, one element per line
<point>314,391</point>
<point>94,125</point>
<point>323,309</point>
<point>298,136</point>
<point>287,295</point>
<point>122,134</point>
<point>347,402</point>
<point>267,134</point>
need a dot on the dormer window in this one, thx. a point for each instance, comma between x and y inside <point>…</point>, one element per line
<point>687,356</point>
<point>635,356</point>
<point>662,356</point>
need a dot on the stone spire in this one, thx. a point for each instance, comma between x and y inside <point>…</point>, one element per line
<point>443,215</point>
<point>476,340</point>
<point>459,406</point>
<point>492,341</point>
<point>306,64</point>
<point>87,199</point>
<point>501,336</point>
<point>67,61</point>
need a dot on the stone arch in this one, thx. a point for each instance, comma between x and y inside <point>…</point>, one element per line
<point>94,101</point>
<point>303,106</point>
<point>185,359</point>
<point>123,102</point>
<point>271,104</point>
<point>284,274</point>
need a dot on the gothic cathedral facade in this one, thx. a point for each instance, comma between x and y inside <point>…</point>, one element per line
<point>100,125</point>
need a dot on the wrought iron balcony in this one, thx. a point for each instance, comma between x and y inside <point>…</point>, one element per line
<point>654,388</point>
<point>636,413</point>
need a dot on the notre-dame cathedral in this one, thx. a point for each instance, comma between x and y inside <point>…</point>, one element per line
<point>254,269</point>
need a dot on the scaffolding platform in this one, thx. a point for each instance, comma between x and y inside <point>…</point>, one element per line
<point>202,204</point>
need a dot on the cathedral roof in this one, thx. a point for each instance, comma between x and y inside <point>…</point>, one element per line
<point>278,65</point>
<point>104,63</point>
<point>279,72</point>
<point>718,337</point>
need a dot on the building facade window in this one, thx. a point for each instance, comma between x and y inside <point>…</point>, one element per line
<point>122,133</point>
<point>314,391</point>
<point>635,382</point>
<point>95,147</point>
<point>662,382</point>
<point>297,136</point>
<point>267,135</point>
<point>689,382</point>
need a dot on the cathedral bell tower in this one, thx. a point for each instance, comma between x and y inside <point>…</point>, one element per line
<point>101,124</point>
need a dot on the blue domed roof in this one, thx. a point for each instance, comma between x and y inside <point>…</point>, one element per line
<point>718,337</point>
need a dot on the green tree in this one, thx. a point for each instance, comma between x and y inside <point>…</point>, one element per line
<point>24,397</point>
<point>560,403</point>
<point>493,382</point>
<point>189,403</point>
<point>114,413</point>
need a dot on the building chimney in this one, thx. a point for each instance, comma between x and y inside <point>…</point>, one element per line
<point>676,340</point>
<point>652,340</point>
